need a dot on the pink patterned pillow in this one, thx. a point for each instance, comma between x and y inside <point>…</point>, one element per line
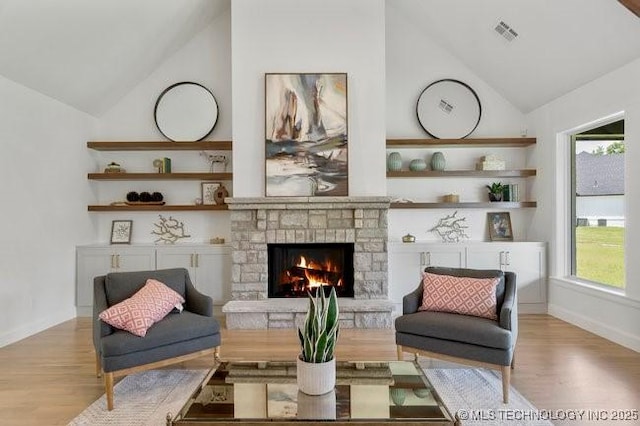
<point>460,295</point>
<point>139,312</point>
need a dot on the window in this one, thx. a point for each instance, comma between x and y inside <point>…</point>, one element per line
<point>598,205</point>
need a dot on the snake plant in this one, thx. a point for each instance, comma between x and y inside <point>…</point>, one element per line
<point>320,333</point>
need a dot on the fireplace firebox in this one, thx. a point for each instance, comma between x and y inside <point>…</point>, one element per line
<point>295,269</point>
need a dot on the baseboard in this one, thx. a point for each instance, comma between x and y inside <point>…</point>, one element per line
<point>603,330</point>
<point>34,327</point>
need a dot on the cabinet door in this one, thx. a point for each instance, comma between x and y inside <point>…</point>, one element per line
<point>529,265</point>
<point>176,257</point>
<point>95,261</point>
<point>213,273</point>
<point>209,268</point>
<point>134,259</point>
<point>404,275</point>
<point>527,260</point>
<point>486,256</point>
<point>407,261</point>
<point>443,255</point>
<point>90,263</point>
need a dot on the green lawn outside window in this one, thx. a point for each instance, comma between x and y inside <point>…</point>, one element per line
<point>600,254</point>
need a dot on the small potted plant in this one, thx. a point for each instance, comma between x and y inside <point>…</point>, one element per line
<point>495,191</point>
<point>316,365</point>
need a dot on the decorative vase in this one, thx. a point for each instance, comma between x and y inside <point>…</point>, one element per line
<point>316,378</point>
<point>398,396</point>
<point>422,392</point>
<point>409,239</point>
<point>317,407</point>
<point>220,194</point>
<point>438,162</point>
<point>495,196</point>
<point>394,162</point>
<point>417,165</point>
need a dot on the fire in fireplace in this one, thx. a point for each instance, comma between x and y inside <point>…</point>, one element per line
<point>295,269</point>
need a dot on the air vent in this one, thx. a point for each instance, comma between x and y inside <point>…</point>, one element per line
<point>506,31</point>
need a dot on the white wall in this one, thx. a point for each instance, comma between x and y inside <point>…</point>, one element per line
<point>613,316</point>
<point>309,36</point>
<point>414,60</point>
<point>206,59</point>
<point>43,166</point>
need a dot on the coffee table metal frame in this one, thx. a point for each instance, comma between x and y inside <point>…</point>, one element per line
<point>245,375</point>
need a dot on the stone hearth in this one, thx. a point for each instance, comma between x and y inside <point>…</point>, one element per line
<point>256,222</point>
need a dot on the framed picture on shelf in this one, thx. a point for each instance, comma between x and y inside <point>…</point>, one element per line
<point>209,192</point>
<point>500,226</point>
<point>121,231</point>
<point>306,139</point>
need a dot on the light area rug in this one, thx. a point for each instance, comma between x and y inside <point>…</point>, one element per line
<point>476,395</point>
<point>145,398</point>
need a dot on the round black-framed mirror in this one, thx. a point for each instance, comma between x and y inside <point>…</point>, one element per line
<point>448,109</point>
<point>186,112</point>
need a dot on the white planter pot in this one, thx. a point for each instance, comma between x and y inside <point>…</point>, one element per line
<point>317,407</point>
<point>316,378</point>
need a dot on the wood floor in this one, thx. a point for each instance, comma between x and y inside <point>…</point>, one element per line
<point>48,378</point>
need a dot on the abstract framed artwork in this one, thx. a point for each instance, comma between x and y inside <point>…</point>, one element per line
<point>121,231</point>
<point>500,226</point>
<point>306,131</point>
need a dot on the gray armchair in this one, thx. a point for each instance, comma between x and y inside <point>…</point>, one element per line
<point>472,340</point>
<point>177,337</point>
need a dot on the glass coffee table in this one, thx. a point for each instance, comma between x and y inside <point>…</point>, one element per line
<point>254,393</point>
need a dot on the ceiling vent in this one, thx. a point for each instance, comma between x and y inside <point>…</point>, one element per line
<point>506,31</point>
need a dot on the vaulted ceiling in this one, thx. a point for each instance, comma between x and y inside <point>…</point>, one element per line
<point>560,44</point>
<point>88,54</point>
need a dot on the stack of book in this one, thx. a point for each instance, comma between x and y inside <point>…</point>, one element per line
<point>511,192</point>
<point>163,165</point>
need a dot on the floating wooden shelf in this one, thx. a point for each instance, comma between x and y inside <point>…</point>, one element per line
<point>496,142</point>
<point>471,205</point>
<point>160,176</point>
<point>169,207</point>
<point>160,146</point>
<point>463,173</point>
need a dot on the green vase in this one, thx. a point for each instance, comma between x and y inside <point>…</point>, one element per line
<point>397,395</point>
<point>394,162</point>
<point>417,165</point>
<point>438,162</point>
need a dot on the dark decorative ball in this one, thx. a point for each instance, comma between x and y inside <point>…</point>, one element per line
<point>156,196</point>
<point>133,196</point>
<point>145,197</point>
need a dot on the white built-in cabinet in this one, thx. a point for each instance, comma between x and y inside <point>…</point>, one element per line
<point>526,259</point>
<point>93,261</point>
<point>209,267</point>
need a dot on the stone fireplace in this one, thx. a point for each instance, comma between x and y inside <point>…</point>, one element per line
<point>310,222</point>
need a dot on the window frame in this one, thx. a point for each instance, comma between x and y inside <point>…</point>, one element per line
<point>574,137</point>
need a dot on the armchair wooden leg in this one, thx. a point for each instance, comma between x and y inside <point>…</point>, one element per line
<point>98,366</point>
<point>513,362</point>
<point>216,354</point>
<point>108,388</point>
<point>400,353</point>
<point>506,379</point>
